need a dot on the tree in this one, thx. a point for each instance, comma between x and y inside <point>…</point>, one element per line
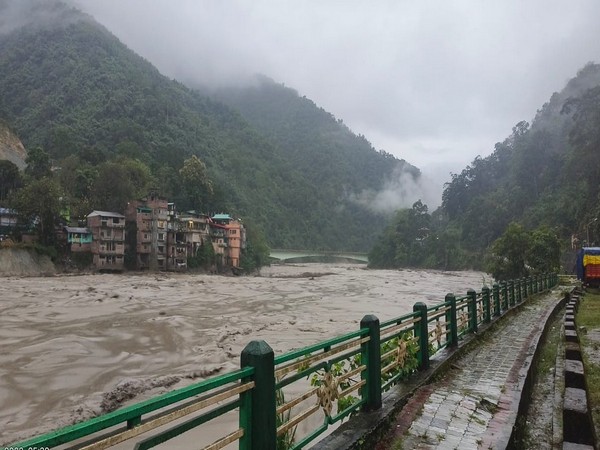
<point>138,174</point>
<point>10,179</point>
<point>543,252</point>
<point>517,253</point>
<point>196,184</point>
<point>113,188</point>
<point>39,203</point>
<point>508,254</point>
<point>405,242</point>
<point>256,254</point>
<point>38,163</point>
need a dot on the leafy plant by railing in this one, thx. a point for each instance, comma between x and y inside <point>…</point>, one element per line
<point>286,440</point>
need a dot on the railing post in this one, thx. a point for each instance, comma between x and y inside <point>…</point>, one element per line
<point>496,295</point>
<point>519,283</point>
<point>422,333</point>
<point>472,305</point>
<point>263,426</point>
<point>371,355</point>
<point>524,282</point>
<point>511,293</point>
<point>535,284</point>
<point>485,294</point>
<point>451,319</point>
<point>504,295</point>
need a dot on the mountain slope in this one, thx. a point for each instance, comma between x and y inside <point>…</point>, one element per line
<point>11,148</point>
<point>73,88</point>
<point>545,174</point>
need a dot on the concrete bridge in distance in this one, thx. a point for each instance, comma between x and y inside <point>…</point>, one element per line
<point>284,255</point>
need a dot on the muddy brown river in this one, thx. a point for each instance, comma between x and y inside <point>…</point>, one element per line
<point>72,347</point>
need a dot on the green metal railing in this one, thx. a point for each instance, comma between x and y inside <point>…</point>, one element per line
<point>321,384</point>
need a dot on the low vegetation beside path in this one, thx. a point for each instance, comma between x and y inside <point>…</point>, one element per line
<point>588,321</point>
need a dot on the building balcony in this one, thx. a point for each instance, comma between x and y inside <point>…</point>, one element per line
<point>111,239</point>
<point>109,224</point>
<point>104,251</point>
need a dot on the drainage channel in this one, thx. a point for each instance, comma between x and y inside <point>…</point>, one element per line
<point>578,429</point>
<point>557,414</point>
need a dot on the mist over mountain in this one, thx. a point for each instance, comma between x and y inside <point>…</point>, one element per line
<point>290,168</point>
<point>309,136</point>
<point>544,176</point>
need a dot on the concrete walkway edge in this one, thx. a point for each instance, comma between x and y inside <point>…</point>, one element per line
<point>367,430</point>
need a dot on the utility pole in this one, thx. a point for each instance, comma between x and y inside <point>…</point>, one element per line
<point>587,231</point>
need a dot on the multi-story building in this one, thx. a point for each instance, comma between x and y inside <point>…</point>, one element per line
<point>108,239</point>
<point>176,245</point>
<point>195,231</point>
<point>147,221</point>
<point>228,237</point>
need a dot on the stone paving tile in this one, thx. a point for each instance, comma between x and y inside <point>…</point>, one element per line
<point>471,404</point>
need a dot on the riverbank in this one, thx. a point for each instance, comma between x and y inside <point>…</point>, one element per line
<point>24,263</point>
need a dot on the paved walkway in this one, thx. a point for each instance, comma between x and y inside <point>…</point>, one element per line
<point>475,405</point>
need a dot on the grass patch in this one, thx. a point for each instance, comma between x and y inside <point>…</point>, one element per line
<point>588,316</point>
<point>549,349</point>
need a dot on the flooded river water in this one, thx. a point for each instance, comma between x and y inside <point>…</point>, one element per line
<point>72,347</point>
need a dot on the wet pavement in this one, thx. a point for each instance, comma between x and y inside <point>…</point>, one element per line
<point>475,404</point>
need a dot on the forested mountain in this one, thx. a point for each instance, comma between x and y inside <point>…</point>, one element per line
<point>312,139</point>
<point>115,127</point>
<point>545,177</point>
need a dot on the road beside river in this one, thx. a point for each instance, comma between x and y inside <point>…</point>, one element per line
<point>73,347</point>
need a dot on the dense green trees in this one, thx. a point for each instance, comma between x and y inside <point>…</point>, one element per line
<point>290,167</point>
<point>416,238</point>
<point>196,184</point>
<point>256,253</point>
<point>39,203</point>
<point>519,253</point>
<point>10,179</point>
<point>522,203</point>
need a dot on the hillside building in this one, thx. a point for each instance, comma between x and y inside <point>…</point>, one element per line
<point>108,239</point>
<point>78,239</point>
<point>147,232</point>
<point>228,238</point>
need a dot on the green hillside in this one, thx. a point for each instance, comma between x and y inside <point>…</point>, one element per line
<point>104,114</point>
<point>544,178</point>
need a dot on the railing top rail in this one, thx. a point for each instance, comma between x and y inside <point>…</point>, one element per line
<point>438,306</point>
<point>82,429</point>
<point>319,346</point>
<point>399,320</point>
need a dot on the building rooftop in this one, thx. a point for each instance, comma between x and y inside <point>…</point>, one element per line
<point>105,214</point>
<point>77,230</point>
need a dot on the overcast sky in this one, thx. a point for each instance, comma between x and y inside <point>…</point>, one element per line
<point>434,82</point>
